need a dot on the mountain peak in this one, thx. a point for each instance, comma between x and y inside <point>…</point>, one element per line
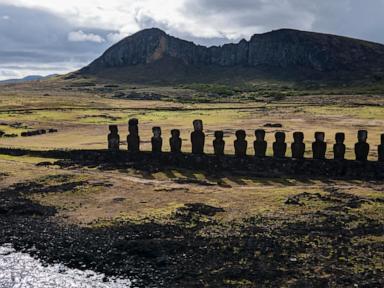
<point>150,32</point>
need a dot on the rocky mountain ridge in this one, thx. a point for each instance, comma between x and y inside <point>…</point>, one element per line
<point>286,50</point>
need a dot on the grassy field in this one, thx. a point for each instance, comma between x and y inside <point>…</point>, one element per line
<point>104,198</point>
<point>82,118</point>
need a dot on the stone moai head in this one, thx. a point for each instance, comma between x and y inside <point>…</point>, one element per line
<point>133,126</point>
<point>280,137</point>
<point>298,137</point>
<point>156,140</point>
<point>362,147</point>
<point>339,147</point>
<point>219,135</point>
<point>240,135</point>
<point>298,146</point>
<point>260,135</point>
<point>319,136</point>
<point>362,136</point>
<point>340,138</point>
<point>218,143</point>
<point>113,129</point>
<point>175,133</point>
<point>198,125</point>
<point>260,145</point>
<point>113,138</point>
<point>381,149</point>
<point>156,132</point>
<point>175,141</point>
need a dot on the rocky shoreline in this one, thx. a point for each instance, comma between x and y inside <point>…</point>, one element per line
<point>21,270</point>
<point>317,250</point>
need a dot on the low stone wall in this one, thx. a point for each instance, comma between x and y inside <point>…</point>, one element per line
<point>38,132</point>
<point>266,167</point>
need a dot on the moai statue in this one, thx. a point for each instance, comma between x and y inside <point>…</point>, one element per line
<point>362,147</point>
<point>240,144</point>
<point>198,137</point>
<point>298,145</point>
<point>319,147</point>
<point>219,143</point>
<point>133,138</point>
<point>339,146</point>
<point>260,145</point>
<point>279,146</point>
<point>156,141</point>
<point>381,149</point>
<point>175,141</point>
<point>113,138</point>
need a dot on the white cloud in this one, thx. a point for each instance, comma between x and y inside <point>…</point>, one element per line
<point>112,14</point>
<point>115,37</point>
<point>4,74</point>
<point>23,70</point>
<point>80,36</point>
<point>5,17</point>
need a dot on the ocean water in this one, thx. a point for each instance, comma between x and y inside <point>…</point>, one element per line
<point>20,270</point>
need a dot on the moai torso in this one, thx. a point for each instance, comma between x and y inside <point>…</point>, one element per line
<point>113,138</point>
<point>156,141</point>
<point>339,147</point>
<point>279,146</point>
<point>381,149</point>
<point>319,147</point>
<point>219,143</point>
<point>362,147</point>
<point>240,144</point>
<point>198,137</point>
<point>260,145</point>
<point>298,145</point>
<point>133,139</point>
<point>175,141</point>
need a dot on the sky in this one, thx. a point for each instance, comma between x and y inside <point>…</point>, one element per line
<point>41,37</point>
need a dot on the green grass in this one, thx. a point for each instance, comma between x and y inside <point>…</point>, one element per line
<point>26,159</point>
<point>374,113</point>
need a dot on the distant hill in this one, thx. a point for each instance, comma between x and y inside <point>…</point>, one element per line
<point>27,79</point>
<point>151,55</point>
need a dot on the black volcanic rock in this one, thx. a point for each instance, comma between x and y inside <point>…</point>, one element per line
<point>153,54</point>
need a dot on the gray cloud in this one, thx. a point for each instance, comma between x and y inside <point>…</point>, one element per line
<point>355,18</point>
<point>36,40</point>
<point>81,36</point>
<point>359,19</point>
<point>145,21</point>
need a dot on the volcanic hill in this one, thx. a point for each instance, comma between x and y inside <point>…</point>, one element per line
<point>151,55</point>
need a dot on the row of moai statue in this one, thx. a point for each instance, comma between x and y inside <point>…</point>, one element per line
<point>319,146</point>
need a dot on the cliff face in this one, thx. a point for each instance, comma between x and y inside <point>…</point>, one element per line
<point>283,49</point>
<point>321,52</point>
